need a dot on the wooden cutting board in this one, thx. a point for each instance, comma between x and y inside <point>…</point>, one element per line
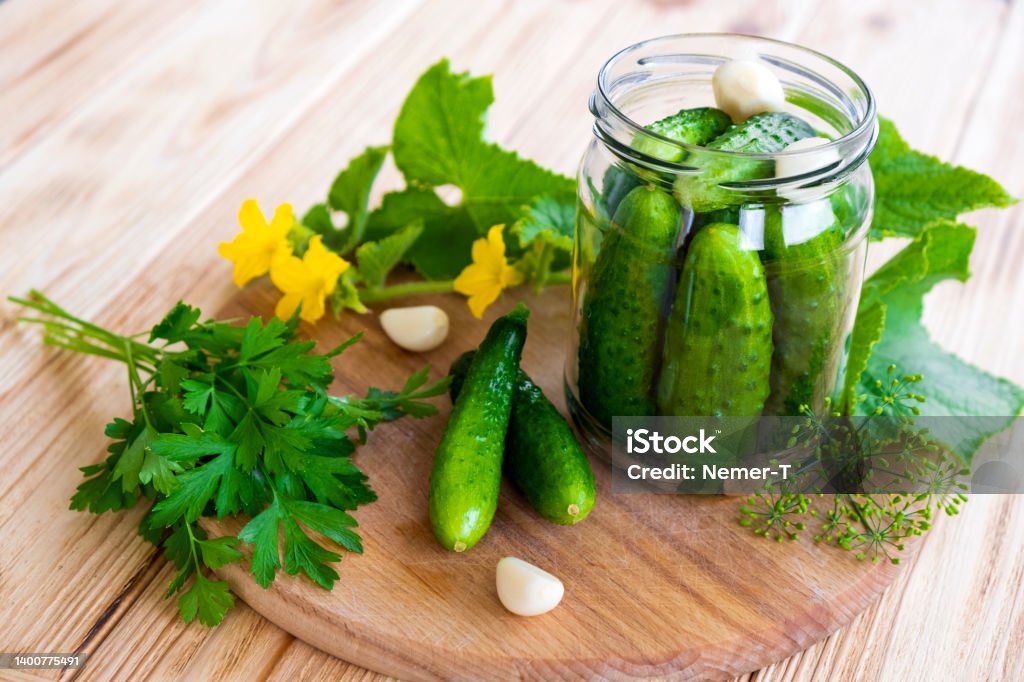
<point>655,585</point>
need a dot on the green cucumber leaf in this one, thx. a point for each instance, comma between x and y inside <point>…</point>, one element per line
<point>376,259</point>
<point>952,387</point>
<point>550,220</point>
<point>443,250</point>
<point>318,219</point>
<point>867,330</point>
<point>439,139</point>
<point>913,188</point>
<point>350,192</point>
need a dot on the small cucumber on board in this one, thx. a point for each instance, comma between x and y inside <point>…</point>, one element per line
<point>623,306</point>
<point>766,133</point>
<point>807,289</point>
<point>542,456</point>
<point>466,477</point>
<point>690,126</point>
<point>718,341</point>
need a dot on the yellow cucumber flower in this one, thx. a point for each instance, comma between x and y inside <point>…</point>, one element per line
<point>489,273</point>
<point>254,248</point>
<point>308,280</point>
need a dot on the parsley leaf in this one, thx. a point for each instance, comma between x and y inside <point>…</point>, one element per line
<point>209,599</point>
<point>220,551</point>
<point>913,188</point>
<point>129,464</point>
<point>177,323</point>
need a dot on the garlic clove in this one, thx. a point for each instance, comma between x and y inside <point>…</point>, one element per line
<point>418,328</point>
<point>744,87</point>
<point>526,590</point>
<point>787,166</point>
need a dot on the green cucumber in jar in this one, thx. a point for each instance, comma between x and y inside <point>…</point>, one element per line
<point>689,126</point>
<point>718,339</point>
<point>767,133</point>
<point>623,307</point>
<point>466,476</point>
<point>807,289</point>
<point>542,456</point>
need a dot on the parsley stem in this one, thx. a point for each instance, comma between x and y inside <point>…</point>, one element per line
<point>72,333</point>
<point>192,550</point>
<point>135,383</point>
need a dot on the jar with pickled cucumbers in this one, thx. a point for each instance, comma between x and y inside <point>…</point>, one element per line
<point>720,237</point>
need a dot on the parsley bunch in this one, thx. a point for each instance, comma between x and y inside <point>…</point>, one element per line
<point>232,420</point>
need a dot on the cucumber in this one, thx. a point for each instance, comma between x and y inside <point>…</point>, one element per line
<point>689,126</point>
<point>542,456</point>
<point>766,133</point>
<point>807,291</point>
<point>466,476</point>
<point>618,182</point>
<point>620,325</point>
<point>718,341</point>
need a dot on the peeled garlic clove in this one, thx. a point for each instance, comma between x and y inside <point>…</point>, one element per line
<point>419,328</point>
<point>744,87</point>
<point>526,590</point>
<point>787,166</point>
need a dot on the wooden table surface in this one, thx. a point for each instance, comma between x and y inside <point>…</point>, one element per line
<point>131,131</point>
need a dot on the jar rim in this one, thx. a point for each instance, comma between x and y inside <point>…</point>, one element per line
<point>861,135</point>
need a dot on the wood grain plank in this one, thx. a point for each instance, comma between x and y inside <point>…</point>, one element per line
<point>916,56</point>
<point>307,139</point>
<point>981,319</point>
<point>315,133</point>
<point>143,647</point>
<point>207,102</point>
<point>904,54</point>
<point>22,676</point>
<point>957,609</point>
<point>57,55</point>
<point>244,647</point>
<point>303,662</point>
<point>929,619</point>
<point>210,288</point>
<point>281,54</point>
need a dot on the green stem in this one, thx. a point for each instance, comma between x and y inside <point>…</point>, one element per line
<point>379,294</point>
<point>73,333</point>
<point>562,277</point>
<point>192,550</point>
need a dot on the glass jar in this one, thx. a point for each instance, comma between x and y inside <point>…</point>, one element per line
<point>709,282</point>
